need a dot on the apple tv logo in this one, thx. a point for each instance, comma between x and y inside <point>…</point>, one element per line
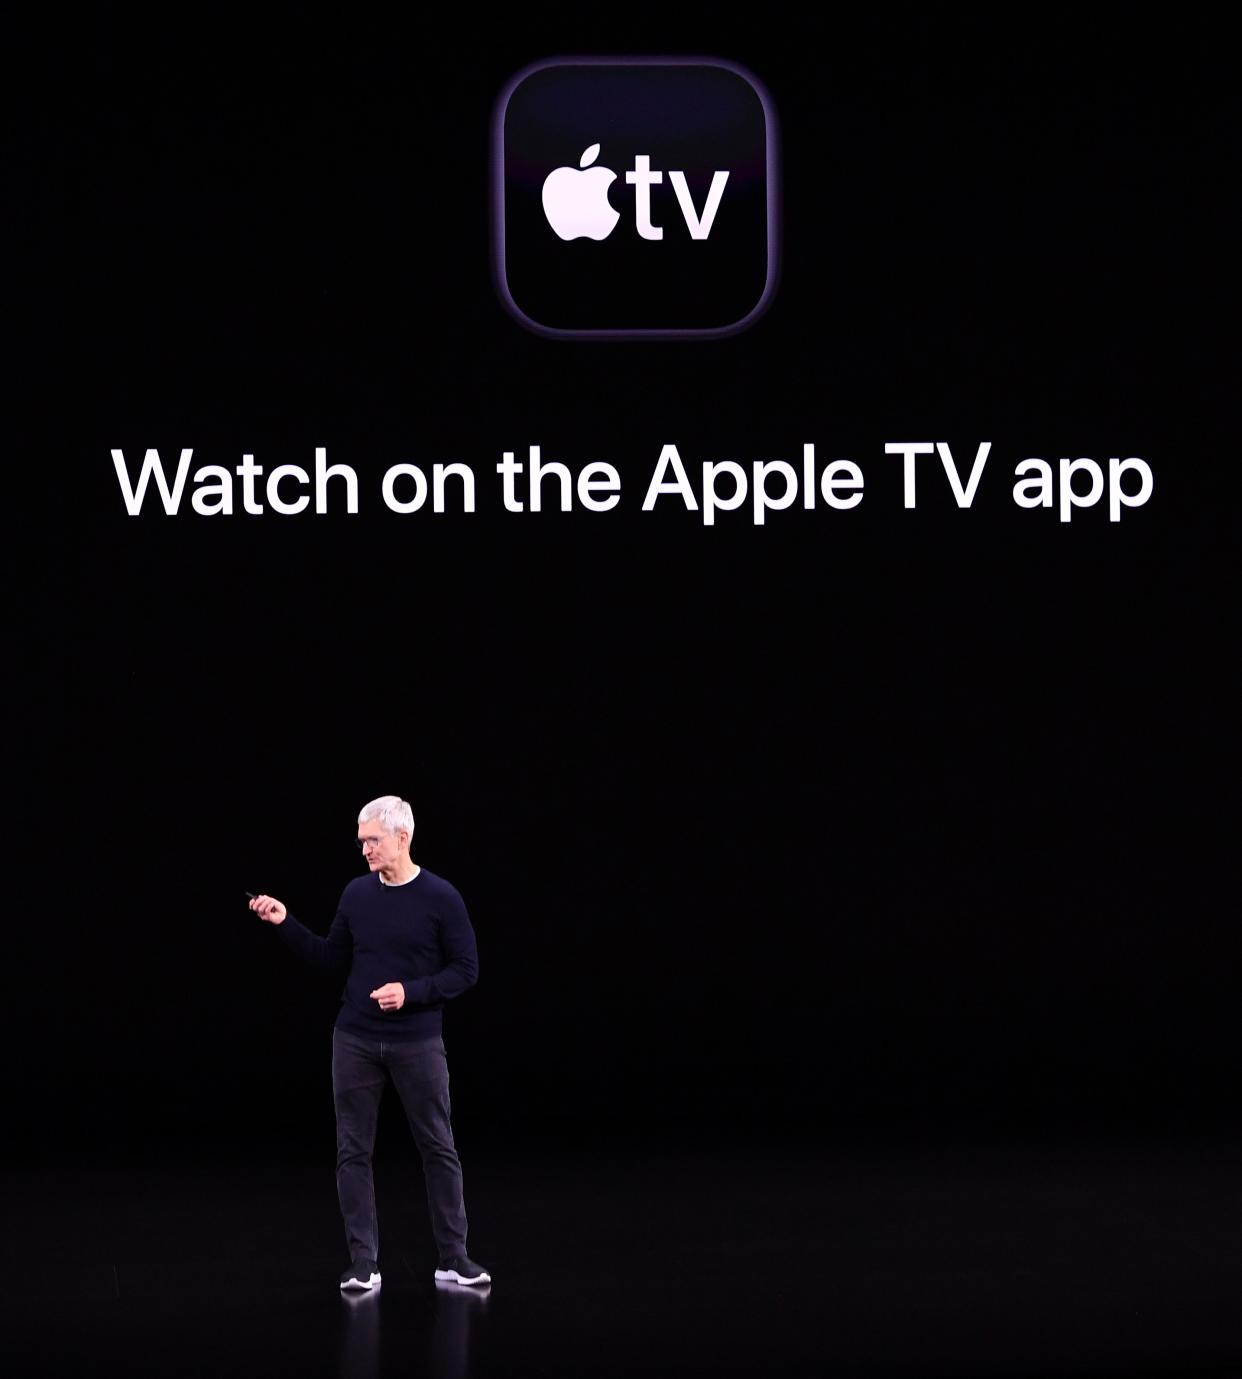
<point>634,198</point>
<point>577,206</point>
<point>576,202</point>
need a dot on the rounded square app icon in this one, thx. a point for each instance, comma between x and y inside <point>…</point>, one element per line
<point>635,197</point>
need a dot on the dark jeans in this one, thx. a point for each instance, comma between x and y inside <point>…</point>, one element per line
<point>418,1068</point>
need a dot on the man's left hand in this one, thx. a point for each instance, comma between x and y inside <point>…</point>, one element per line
<point>391,996</point>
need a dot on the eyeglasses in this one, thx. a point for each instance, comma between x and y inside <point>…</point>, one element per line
<point>364,843</point>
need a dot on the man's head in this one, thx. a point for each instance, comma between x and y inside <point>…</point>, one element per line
<point>385,827</point>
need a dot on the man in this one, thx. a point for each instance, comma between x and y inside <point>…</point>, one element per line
<point>403,937</point>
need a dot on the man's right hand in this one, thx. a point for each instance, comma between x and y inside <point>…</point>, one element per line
<point>269,909</point>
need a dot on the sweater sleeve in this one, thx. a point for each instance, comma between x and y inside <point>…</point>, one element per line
<point>331,954</point>
<point>460,954</point>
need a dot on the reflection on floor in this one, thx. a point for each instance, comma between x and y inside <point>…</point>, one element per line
<point>1079,1260</point>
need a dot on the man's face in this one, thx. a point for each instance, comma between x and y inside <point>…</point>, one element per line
<point>380,848</point>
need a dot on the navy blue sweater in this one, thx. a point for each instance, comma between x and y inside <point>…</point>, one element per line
<point>418,934</point>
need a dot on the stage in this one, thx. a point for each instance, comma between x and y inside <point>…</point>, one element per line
<point>912,1258</point>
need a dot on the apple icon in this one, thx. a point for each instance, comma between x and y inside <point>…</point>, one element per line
<point>575,200</point>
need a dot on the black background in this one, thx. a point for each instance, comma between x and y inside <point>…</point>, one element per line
<point>880,822</point>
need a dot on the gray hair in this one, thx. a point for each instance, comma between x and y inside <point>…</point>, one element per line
<point>393,813</point>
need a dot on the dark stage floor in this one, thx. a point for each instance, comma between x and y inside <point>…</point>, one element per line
<point>1100,1259</point>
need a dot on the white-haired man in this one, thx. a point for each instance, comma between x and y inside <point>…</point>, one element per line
<point>404,940</point>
